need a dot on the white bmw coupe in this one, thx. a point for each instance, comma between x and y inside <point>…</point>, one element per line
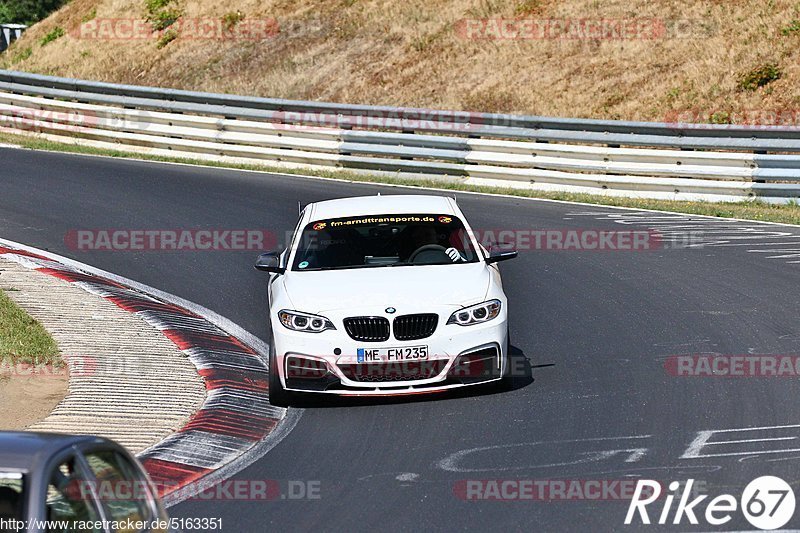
<point>385,295</point>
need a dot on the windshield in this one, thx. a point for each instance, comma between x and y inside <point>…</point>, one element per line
<point>384,240</point>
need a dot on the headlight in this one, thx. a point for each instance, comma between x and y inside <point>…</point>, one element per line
<point>476,314</point>
<point>299,321</point>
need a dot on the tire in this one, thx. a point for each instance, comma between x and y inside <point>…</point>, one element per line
<point>278,396</point>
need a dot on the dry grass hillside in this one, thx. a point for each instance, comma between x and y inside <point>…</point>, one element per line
<point>730,60</point>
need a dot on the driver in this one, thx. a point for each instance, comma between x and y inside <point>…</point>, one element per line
<point>422,235</point>
<point>419,236</point>
<point>425,235</point>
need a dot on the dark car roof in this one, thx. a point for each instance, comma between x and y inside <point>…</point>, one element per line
<point>25,450</point>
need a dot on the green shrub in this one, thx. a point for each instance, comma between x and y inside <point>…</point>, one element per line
<point>54,34</point>
<point>230,20</point>
<point>22,55</point>
<point>162,14</point>
<point>164,19</point>
<point>27,11</point>
<point>90,15</point>
<point>152,6</point>
<point>720,117</point>
<point>793,27</point>
<point>167,37</point>
<point>759,77</point>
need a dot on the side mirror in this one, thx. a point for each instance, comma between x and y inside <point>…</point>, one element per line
<point>270,262</point>
<point>501,252</point>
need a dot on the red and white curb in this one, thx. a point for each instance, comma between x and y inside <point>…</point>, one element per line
<point>236,425</point>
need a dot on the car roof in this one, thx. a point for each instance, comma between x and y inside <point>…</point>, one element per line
<point>382,205</point>
<point>23,451</point>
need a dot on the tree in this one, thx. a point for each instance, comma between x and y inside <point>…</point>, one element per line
<point>27,11</point>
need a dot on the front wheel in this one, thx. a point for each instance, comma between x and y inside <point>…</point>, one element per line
<point>278,396</point>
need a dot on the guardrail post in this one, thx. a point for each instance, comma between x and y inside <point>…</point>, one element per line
<point>759,152</point>
<point>10,33</point>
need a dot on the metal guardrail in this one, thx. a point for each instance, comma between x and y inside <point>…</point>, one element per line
<point>10,33</point>
<point>680,161</point>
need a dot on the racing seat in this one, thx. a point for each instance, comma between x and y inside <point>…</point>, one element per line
<point>345,249</point>
<point>341,254</point>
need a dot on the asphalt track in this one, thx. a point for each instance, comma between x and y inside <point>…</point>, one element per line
<point>594,327</point>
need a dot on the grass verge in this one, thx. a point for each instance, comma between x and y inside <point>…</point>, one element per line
<point>747,210</point>
<point>23,339</point>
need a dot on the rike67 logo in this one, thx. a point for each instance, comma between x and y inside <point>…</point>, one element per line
<point>767,503</point>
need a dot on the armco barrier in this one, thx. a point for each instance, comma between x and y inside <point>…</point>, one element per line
<point>694,161</point>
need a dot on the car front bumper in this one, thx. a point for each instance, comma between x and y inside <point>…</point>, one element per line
<point>458,356</point>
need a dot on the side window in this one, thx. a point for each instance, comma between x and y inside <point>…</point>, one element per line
<point>125,495</point>
<point>70,505</point>
<point>12,496</point>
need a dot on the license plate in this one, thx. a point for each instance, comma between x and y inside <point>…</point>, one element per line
<point>384,355</point>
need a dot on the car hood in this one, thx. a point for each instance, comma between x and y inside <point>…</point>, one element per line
<point>407,288</point>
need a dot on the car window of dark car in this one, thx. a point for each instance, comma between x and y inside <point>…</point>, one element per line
<point>70,505</point>
<point>11,496</point>
<point>123,492</point>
